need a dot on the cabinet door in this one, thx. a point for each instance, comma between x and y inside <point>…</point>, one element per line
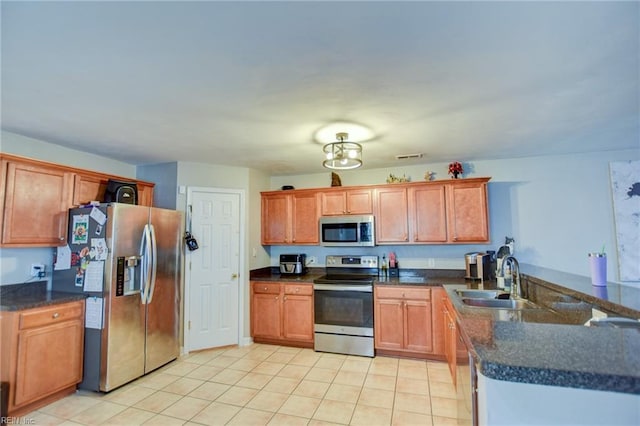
<point>418,336</point>
<point>49,359</point>
<point>265,316</point>
<point>392,225</point>
<point>467,209</point>
<point>450,341</point>
<point>37,199</point>
<point>333,203</point>
<point>438,296</point>
<point>297,312</point>
<point>145,195</point>
<point>427,214</point>
<point>276,210</point>
<point>88,188</point>
<point>360,201</point>
<point>389,324</point>
<point>305,218</point>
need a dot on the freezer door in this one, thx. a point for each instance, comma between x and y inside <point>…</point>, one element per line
<point>164,299</point>
<point>123,345</point>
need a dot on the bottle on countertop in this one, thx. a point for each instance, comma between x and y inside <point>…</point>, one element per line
<point>384,266</point>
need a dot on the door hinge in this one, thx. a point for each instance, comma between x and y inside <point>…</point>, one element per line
<point>189,325</point>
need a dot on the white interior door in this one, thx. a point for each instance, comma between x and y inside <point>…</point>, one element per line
<point>214,282</point>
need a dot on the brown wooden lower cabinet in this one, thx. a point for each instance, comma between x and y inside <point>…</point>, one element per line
<point>282,313</point>
<point>41,354</point>
<point>404,322</point>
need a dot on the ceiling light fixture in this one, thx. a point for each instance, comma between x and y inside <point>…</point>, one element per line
<point>342,155</point>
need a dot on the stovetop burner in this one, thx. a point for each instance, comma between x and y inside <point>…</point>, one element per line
<point>352,270</point>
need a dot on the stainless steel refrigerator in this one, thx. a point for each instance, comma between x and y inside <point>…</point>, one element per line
<point>128,260</point>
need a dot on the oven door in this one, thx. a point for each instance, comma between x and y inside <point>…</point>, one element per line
<point>343,308</point>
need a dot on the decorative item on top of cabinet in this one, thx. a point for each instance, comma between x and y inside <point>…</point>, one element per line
<point>397,179</point>
<point>335,179</point>
<point>34,340</point>
<point>455,169</point>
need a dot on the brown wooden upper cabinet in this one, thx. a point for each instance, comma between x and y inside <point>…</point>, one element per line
<point>35,197</point>
<point>392,225</point>
<point>36,200</point>
<point>90,186</point>
<point>467,217</point>
<point>437,212</point>
<point>290,218</point>
<point>347,201</point>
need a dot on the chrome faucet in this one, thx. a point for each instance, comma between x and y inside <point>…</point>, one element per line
<point>516,291</point>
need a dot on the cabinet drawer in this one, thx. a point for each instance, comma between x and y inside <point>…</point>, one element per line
<point>415,293</point>
<point>51,315</point>
<point>266,288</point>
<point>302,289</point>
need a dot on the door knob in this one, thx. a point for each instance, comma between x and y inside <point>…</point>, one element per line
<point>234,276</point>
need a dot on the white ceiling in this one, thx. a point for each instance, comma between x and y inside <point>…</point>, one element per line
<point>249,83</point>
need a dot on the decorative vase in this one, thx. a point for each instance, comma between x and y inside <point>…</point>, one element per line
<point>455,175</point>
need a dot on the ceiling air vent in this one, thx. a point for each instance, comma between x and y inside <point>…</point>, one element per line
<point>408,156</point>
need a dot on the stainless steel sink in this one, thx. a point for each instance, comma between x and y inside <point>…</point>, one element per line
<point>480,294</point>
<point>500,303</point>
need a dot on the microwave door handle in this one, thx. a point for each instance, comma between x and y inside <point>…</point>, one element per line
<point>154,262</point>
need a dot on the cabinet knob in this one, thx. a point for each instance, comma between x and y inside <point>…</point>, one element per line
<point>284,298</point>
<point>276,297</point>
<point>61,238</point>
<point>297,289</point>
<point>55,315</point>
<point>265,289</point>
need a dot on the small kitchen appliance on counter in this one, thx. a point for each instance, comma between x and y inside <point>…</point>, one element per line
<point>478,266</point>
<point>293,264</point>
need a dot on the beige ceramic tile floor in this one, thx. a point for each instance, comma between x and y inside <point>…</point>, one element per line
<point>269,385</point>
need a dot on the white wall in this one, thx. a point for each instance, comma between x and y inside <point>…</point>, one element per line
<point>558,209</point>
<point>12,143</point>
<point>165,177</point>
<point>15,263</point>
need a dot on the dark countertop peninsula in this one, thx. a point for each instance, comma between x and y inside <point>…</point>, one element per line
<point>16,297</point>
<point>538,346</point>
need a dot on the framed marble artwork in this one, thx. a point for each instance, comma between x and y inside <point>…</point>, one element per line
<point>625,189</point>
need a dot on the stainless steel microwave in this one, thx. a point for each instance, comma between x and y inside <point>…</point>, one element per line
<point>347,231</point>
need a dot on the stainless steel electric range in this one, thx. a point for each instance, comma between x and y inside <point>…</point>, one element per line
<point>343,305</point>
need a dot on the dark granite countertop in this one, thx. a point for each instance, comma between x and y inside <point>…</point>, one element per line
<point>17,297</point>
<point>420,277</point>
<point>548,347</point>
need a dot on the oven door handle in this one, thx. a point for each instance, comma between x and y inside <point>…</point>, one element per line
<point>344,287</point>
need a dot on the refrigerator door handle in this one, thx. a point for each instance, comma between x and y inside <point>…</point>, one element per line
<point>154,263</point>
<point>145,246</point>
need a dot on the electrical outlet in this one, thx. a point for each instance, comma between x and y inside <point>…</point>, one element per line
<point>311,260</point>
<point>37,270</point>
